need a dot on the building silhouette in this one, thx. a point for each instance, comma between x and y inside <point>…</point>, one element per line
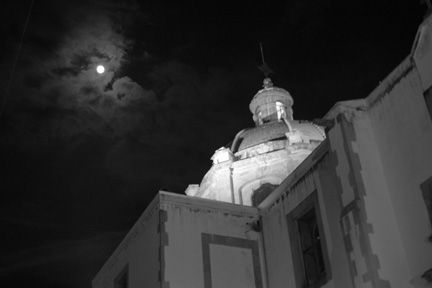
<point>344,202</point>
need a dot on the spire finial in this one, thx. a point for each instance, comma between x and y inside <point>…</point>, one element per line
<point>264,67</point>
<point>267,83</point>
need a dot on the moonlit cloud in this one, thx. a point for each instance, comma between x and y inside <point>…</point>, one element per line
<point>65,82</point>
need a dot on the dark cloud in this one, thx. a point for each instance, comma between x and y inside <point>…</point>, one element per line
<point>62,122</point>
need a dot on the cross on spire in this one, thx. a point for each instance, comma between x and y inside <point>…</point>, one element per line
<point>264,67</point>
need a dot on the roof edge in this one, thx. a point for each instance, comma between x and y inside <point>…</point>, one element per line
<point>301,170</point>
<point>208,204</point>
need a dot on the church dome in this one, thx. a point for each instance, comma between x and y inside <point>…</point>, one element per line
<point>272,112</point>
<point>253,136</point>
<point>275,131</point>
<point>260,157</point>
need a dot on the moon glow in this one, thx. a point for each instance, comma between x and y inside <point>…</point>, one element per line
<point>100,69</point>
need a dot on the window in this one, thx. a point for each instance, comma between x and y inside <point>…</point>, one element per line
<point>262,192</point>
<point>260,117</point>
<point>310,258</point>
<point>280,108</point>
<point>426,188</point>
<point>122,280</point>
<point>428,99</point>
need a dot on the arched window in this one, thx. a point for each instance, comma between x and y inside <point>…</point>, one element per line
<point>260,120</point>
<point>280,109</point>
<point>262,192</point>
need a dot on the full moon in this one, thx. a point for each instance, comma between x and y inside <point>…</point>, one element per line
<point>100,69</point>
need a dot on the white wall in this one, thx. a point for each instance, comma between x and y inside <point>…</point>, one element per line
<point>374,236</point>
<point>403,133</point>
<point>187,219</point>
<point>383,149</point>
<point>278,251</point>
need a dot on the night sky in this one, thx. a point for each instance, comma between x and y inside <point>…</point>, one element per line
<point>82,154</point>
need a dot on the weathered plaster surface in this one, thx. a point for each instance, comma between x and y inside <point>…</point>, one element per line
<point>358,224</point>
<point>403,133</point>
<point>239,179</point>
<point>278,251</point>
<point>383,155</point>
<point>188,219</point>
<point>329,190</point>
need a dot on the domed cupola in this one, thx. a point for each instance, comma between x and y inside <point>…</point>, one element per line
<point>260,157</point>
<point>271,104</point>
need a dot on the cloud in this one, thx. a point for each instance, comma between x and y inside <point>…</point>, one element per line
<point>162,106</point>
<point>63,92</point>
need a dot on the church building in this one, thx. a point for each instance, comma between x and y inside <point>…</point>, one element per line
<point>343,202</point>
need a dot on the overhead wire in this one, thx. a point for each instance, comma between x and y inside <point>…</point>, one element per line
<point>14,64</point>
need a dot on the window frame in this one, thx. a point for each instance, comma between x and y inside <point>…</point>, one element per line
<point>311,202</point>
